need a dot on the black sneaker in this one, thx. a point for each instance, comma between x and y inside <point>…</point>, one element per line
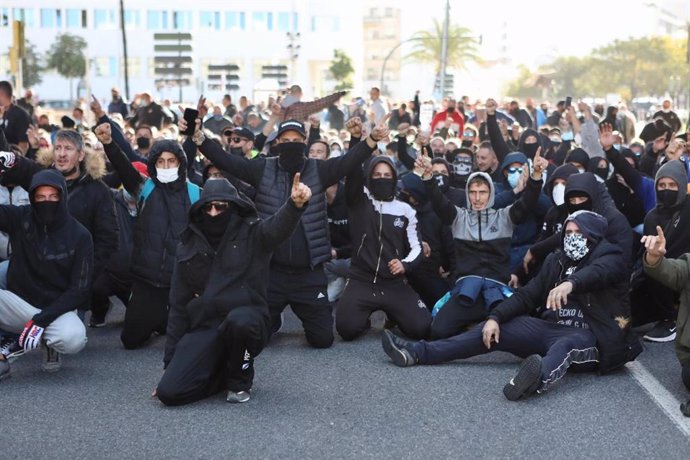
<point>401,351</point>
<point>97,321</point>
<point>685,408</point>
<point>663,331</point>
<point>527,380</point>
<point>238,397</point>
<point>10,349</point>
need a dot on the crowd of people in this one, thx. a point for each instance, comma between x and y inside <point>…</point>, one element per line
<point>552,234</point>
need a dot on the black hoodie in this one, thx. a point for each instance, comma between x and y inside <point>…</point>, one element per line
<point>208,284</point>
<point>380,230</point>
<point>600,289</point>
<point>51,266</point>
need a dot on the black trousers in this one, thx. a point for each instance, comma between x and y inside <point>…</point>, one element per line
<point>397,299</point>
<point>307,294</point>
<point>146,313</point>
<point>456,316</point>
<point>105,286</point>
<point>207,361</point>
<point>559,346</point>
<point>430,286</point>
<point>685,375</point>
<point>651,301</point>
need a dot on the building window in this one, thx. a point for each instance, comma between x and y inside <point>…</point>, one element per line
<point>4,17</point>
<point>104,19</point>
<point>389,12</point>
<point>372,74</point>
<point>182,20</point>
<point>157,20</point>
<point>51,18</point>
<point>284,22</point>
<point>133,68</point>
<point>25,15</point>
<point>209,20</point>
<point>262,22</point>
<point>76,19</point>
<point>235,21</point>
<point>325,24</point>
<point>133,19</point>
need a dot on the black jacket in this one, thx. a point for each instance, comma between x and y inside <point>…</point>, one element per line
<point>51,267</point>
<point>208,284</point>
<point>162,216</point>
<point>380,230</point>
<point>89,201</point>
<point>310,245</point>
<point>600,282</point>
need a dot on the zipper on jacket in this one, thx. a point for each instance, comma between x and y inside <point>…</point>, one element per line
<point>479,219</point>
<point>378,260</point>
<point>361,244</point>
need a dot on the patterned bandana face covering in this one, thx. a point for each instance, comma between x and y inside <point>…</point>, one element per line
<point>575,246</point>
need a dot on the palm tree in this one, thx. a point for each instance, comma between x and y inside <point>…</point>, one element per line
<point>462,46</point>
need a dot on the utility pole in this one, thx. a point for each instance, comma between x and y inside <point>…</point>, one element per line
<point>124,48</point>
<point>444,49</point>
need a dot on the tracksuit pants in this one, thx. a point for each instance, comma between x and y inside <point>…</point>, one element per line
<point>559,346</point>
<point>66,334</point>
<point>146,313</point>
<point>397,299</point>
<point>105,286</point>
<point>307,294</point>
<point>207,361</point>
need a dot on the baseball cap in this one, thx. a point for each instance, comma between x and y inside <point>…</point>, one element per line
<point>292,125</point>
<point>244,133</point>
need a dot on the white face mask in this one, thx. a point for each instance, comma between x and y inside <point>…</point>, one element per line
<point>165,176</point>
<point>558,194</point>
<point>580,170</point>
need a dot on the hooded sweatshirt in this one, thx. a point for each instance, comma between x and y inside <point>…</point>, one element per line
<point>675,221</point>
<point>380,230</point>
<point>482,238</point>
<point>51,265</point>
<point>208,283</point>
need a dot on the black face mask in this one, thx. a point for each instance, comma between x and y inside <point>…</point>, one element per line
<point>46,212</point>
<point>143,142</point>
<point>236,151</point>
<point>451,109</point>
<point>666,198</point>
<point>602,172</point>
<point>466,143</point>
<point>586,206</point>
<point>442,181</point>
<point>382,189</point>
<point>213,227</point>
<point>291,156</point>
<point>45,127</point>
<point>530,149</point>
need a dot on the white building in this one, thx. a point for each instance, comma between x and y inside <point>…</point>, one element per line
<point>247,34</point>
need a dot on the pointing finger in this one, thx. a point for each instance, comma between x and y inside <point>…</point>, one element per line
<point>295,181</point>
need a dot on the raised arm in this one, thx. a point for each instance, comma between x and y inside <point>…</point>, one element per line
<point>499,144</point>
<point>131,179</point>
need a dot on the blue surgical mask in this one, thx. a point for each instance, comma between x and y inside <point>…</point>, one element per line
<point>514,177</point>
<point>567,136</point>
<point>617,146</point>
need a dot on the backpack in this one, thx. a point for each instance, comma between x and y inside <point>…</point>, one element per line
<point>193,191</point>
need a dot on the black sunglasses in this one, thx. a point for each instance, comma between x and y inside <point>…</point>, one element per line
<point>220,206</point>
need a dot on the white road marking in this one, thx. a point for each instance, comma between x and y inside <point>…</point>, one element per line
<point>660,395</point>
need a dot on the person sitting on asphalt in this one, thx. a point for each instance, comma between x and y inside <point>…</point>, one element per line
<point>482,238</point>
<point>584,323</point>
<point>49,274</point>
<point>219,318</point>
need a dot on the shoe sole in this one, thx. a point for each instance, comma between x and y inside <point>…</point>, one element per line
<point>14,356</point>
<point>528,375</point>
<point>97,325</point>
<point>396,354</point>
<point>669,338</point>
<point>234,399</point>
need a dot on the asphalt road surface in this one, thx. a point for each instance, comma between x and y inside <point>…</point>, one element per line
<point>349,401</point>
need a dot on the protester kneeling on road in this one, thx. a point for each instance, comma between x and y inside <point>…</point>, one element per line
<point>49,275</point>
<point>219,317</point>
<point>584,322</point>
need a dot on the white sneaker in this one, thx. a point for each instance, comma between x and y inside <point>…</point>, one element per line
<point>52,362</point>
